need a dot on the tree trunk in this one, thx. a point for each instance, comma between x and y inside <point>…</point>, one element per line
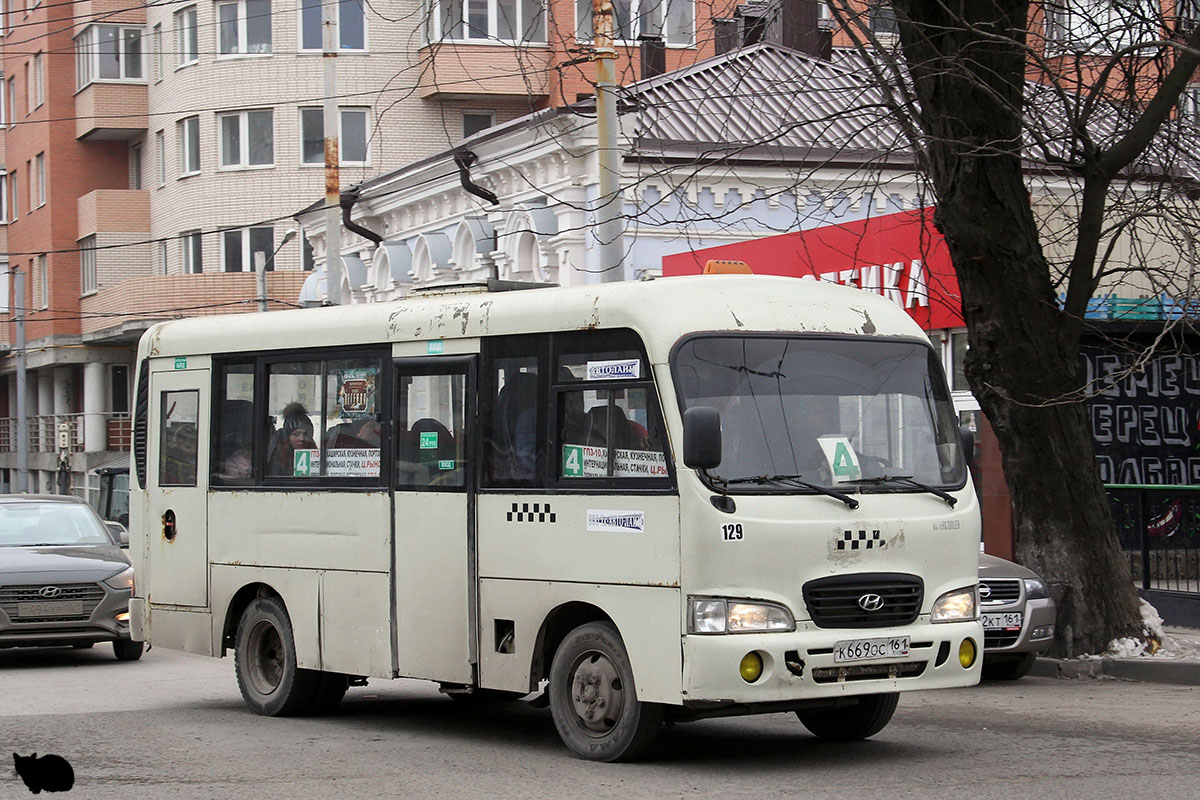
<point>967,61</point>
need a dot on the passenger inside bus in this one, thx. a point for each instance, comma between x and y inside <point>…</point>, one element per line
<point>428,455</point>
<point>296,433</point>
<point>234,448</point>
<point>513,443</point>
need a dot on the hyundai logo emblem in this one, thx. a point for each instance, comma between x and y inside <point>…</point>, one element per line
<point>870,602</point>
<point>49,591</point>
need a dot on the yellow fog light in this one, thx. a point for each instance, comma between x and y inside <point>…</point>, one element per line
<point>123,616</point>
<point>751,667</point>
<point>966,653</point>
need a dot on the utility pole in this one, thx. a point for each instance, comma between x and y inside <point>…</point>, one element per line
<point>337,287</point>
<point>609,224</point>
<point>22,411</point>
<point>260,267</point>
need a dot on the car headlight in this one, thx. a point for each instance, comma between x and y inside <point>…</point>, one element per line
<point>718,615</point>
<point>954,606</point>
<point>122,580</point>
<point>1036,588</point>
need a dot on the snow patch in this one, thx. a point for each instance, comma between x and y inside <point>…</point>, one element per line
<point>1152,623</point>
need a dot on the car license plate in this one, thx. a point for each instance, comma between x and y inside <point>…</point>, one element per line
<point>869,649</point>
<point>61,608</point>
<point>1002,622</point>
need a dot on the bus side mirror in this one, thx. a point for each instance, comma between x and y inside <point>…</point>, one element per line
<point>701,437</point>
<point>968,443</point>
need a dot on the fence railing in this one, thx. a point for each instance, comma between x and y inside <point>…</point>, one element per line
<point>1159,529</point>
<point>43,431</point>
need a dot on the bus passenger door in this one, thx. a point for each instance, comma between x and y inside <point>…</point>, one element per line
<point>177,485</point>
<point>434,533</point>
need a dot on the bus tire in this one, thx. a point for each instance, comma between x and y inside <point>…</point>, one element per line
<point>127,649</point>
<point>265,662</point>
<point>861,721</point>
<point>593,699</point>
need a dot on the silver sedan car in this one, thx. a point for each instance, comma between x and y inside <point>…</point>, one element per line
<point>64,579</point>
<point>1017,615</point>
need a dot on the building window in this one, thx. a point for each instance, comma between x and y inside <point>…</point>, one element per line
<point>503,20</point>
<point>674,20</point>
<point>186,37</point>
<point>1101,26</point>
<point>158,52</point>
<point>308,259</point>
<point>242,249</point>
<point>38,87</point>
<point>244,27</point>
<point>189,146</point>
<point>352,138</point>
<point>87,264</point>
<point>352,25</point>
<point>163,254</point>
<point>160,140</point>
<point>12,101</point>
<point>476,121</point>
<point>15,205</point>
<point>192,251</point>
<point>135,166</point>
<point>39,171</point>
<point>247,139</point>
<point>3,199</point>
<point>41,283</point>
<point>3,105</point>
<point>1189,105</point>
<point>108,53</point>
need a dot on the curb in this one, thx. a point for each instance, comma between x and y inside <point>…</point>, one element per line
<point>1146,670</point>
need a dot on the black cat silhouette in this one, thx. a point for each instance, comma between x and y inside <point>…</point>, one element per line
<point>49,773</point>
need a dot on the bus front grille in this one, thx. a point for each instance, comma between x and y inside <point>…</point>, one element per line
<point>866,600</point>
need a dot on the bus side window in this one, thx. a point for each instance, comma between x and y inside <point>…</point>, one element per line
<point>293,395</point>
<point>510,415</point>
<point>431,418</point>
<point>233,434</point>
<point>178,455</point>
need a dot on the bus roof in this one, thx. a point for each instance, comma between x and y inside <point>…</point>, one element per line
<point>662,310</point>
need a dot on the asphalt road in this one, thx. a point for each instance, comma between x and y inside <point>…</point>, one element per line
<point>173,725</point>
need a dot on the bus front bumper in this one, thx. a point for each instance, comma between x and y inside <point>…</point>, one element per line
<point>801,665</point>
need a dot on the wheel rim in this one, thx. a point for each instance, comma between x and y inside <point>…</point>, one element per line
<point>597,693</point>
<point>265,657</point>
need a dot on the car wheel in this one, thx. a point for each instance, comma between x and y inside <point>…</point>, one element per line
<point>1008,668</point>
<point>265,662</point>
<point>127,649</point>
<point>593,699</point>
<point>869,717</point>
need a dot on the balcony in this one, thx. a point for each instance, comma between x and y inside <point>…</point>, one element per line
<point>472,71</point>
<point>110,111</point>
<point>43,431</point>
<point>114,211</point>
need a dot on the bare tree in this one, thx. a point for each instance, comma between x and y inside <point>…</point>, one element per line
<point>1106,80</point>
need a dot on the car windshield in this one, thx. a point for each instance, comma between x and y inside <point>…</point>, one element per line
<point>838,412</point>
<point>27,524</point>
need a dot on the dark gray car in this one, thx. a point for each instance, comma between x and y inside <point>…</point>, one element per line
<point>1017,615</point>
<point>64,579</point>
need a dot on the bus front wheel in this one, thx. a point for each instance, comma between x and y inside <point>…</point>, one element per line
<point>265,662</point>
<point>867,718</point>
<point>593,699</point>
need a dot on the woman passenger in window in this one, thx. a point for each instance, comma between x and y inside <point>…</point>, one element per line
<point>296,434</point>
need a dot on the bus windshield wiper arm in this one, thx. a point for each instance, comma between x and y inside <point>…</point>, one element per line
<point>795,480</point>
<point>907,480</point>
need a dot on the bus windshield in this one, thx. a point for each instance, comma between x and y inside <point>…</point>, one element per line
<point>838,412</point>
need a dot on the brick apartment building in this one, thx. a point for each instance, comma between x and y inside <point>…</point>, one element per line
<point>155,154</point>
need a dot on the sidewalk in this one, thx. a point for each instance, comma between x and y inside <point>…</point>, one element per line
<point>1177,662</point>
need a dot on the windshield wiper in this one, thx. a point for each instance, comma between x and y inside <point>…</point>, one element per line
<point>907,480</point>
<point>793,480</point>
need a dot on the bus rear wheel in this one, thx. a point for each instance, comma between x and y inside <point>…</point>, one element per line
<point>593,699</point>
<point>871,715</point>
<point>265,662</point>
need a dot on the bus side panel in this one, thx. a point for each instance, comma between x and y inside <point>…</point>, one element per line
<point>628,539</point>
<point>355,631</point>
<point>314,530</point>
<point>647,618</point>
<point>299,589</point>
<point>188,630</point>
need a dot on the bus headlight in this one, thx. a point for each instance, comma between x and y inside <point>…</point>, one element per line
<point>718,615</point>
<point>955,606</point>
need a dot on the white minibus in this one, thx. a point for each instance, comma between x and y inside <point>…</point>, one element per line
<point>645,502</point>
